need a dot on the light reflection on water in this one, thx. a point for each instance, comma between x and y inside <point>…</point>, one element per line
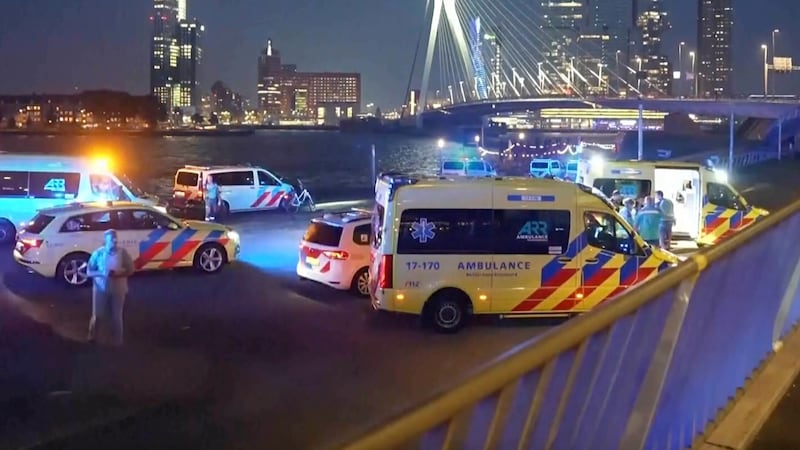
<point>333,165</point>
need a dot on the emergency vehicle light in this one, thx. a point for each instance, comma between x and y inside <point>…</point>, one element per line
<point>102,164</point>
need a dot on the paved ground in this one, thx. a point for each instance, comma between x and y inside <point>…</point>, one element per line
<point>249,358</point>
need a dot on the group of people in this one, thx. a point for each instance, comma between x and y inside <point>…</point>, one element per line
<point>653,221</point>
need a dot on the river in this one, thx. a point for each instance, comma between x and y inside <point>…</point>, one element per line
<point>334,166</point>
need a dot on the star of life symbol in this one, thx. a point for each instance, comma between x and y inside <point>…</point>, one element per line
<point>423,231</point>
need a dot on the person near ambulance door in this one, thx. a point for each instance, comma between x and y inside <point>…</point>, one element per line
<point>628,211</point>
<point>648,222</point>
<point>616,199</point>
<point>667,209</point>
<point>212,198</point>
<point>109,267</point>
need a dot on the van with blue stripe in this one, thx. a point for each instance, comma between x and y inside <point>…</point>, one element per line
<point>445,248</point>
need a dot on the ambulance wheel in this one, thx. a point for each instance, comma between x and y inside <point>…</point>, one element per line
<point>7,231</point>
<point>446,311</point>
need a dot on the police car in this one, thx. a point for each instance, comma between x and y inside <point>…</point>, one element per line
<point>335,251</point>
<point>58,241</point>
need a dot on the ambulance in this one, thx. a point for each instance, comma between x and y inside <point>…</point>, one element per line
<point>445,248</point>
<point>30,182</point>
<point>707,208</point>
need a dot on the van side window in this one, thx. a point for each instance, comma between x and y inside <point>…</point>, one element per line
<point>603,231</point>
<point>265,179</point>
<point>54,185</point>
<point>531,232</point>
<point>445,231</point>
<point>377,225</point>
<point>241,178</point>
<point>476,165</point>
<point>99,221</point>
<point>13,184</point>
<point>628,188</point>
<point>105,188</point>
<point>361,234</point>
<point>722,195</point>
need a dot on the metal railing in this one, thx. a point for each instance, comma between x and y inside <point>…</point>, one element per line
<point>651,369</point>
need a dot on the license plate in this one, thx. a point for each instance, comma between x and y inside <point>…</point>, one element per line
<point>180,194</point>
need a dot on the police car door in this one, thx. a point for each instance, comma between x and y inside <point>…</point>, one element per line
<point>269,191</point>
<point>146,238</point>
<point>535,267</point>
<point>610,259</point>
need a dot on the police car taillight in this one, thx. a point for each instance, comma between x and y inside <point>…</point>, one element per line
<point>28,244</point>
<point>385,272</point>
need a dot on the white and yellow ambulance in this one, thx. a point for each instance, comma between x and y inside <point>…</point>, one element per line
<point>445,248</point>
<point>707,208</point>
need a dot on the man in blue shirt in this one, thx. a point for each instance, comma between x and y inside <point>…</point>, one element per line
<point>667,209</point>
<point>109,267</point>
<point>211,197</point>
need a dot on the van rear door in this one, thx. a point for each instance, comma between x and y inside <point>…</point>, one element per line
<point>187,187</point>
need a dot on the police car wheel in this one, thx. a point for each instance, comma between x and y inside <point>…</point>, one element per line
<point>7,231</point>
<point>209,258</point>
<point>446,314</point>
<point>72,270</point>
<point>360,283</point>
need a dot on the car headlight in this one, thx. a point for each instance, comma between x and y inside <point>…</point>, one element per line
<point>234,236</point>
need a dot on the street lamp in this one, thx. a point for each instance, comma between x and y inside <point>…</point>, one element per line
<point>477,139</point>
<point>694,72</point>
<point>440,143</point>
<point>764,48</point>
<point>774,54</point>
<point>521,136</point>
<point>680,66</point>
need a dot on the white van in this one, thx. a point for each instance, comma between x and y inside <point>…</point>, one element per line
<point>29,182</point>
<point>444,248</point>
<point>707,208</point>
<point>541,168</point>
<point>467,167</point>
<point>242,188</point>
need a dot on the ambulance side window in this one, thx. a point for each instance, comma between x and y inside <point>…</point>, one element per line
<point>722,195</point>
<point>605,232</point>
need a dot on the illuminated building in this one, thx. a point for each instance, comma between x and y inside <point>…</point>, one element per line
<point>653,24</point>
<point>714,34</point>
<point>561,30</point>
<point>163,54</point>
<point>476,39</point>
<point>287,94</point>
<point>175,55</point>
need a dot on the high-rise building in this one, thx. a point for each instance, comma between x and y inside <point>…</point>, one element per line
<point>286,94</point>
<point>476,41</point>
<point>190,54</point>
<point>714,58</point>
<point>269,76</point>
<point>653,24</point>
<point>561,30</point>
<point>163,51</point>
<point>175,55</point>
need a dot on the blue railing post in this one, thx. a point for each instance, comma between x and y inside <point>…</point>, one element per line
<point>647,400</point>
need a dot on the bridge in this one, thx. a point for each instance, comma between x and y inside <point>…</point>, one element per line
<point>483,57</point>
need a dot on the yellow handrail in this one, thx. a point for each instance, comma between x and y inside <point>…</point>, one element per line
<point>536,352</point>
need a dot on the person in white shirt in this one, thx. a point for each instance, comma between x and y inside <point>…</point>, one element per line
<point>109,267</point>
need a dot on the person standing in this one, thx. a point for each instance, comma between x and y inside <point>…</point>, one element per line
<point>628,211</point>
<point>109,267</point>
<point>212,198</point>
<point>667,209</point>
<point>648,221</point>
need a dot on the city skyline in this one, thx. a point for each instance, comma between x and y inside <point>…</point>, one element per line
<point>380,46</point>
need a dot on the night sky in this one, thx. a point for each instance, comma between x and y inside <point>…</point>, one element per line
<point>55,46</point>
